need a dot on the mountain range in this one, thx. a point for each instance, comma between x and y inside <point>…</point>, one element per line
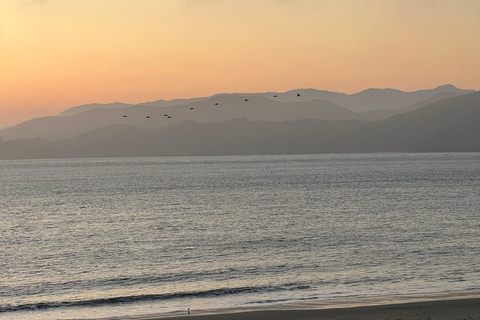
<point>447,125</point>
<point>371,104</point>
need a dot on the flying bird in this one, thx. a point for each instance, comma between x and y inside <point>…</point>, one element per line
<point>275,96</point>
<point>148,117</point>
<point>168,117</point>
<point>192,108</point>
<point>298,94</point>
<point>216,103</point>
<point>124,116</point>
<point>246,100</point>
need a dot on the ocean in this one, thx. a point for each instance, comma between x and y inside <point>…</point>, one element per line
<point>95,238</point>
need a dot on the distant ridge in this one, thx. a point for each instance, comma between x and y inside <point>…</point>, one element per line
<point>371,104</point>
<point>387,113</point>
<point>86,107</point>
<point>447,125</point>
<point>369,99</point>
<point>217,110</point>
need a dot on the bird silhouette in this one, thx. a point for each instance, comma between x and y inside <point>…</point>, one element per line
<point>246,100</point>
<point>148,117</point>
<point>216,103</point>
<point>298,94</point>
<point>192,108</point>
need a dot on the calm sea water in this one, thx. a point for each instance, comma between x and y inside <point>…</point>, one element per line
<point>91,238</point>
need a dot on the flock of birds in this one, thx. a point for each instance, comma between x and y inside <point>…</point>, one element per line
<point>191,108</point>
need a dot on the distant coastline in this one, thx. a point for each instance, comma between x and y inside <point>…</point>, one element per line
<point>447,125</point>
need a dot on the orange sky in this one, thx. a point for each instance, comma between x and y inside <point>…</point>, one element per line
<point>55,54</point>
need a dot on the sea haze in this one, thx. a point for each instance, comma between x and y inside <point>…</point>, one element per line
<point>93,238</point>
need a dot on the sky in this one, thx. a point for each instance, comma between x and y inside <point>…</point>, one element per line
<point>56,54</point>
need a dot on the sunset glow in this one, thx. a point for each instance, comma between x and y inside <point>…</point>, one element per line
<point>55,54</point>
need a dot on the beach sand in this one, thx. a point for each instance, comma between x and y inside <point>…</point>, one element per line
<point>442,309</point>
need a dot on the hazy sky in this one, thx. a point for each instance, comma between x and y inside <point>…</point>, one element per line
<point>55,54</point>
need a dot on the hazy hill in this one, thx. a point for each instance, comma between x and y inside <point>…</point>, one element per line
<point>217,109</point>
<point>86,107</point>
<point>288,106</point>
<point>156,103</point>
<point>370,99</point>
<point>387,113</point>
<point>448,125</point>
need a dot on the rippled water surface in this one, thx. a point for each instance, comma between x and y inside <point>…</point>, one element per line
<point>92,238</point>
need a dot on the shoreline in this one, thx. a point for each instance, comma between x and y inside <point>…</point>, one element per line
<point>463,305</point>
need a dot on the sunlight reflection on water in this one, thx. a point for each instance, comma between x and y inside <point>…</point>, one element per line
<point>153,235</point>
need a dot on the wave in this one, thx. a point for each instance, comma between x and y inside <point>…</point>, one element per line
<point>150,297</point>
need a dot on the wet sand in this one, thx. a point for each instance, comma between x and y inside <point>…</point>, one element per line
<point>453,309</point>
